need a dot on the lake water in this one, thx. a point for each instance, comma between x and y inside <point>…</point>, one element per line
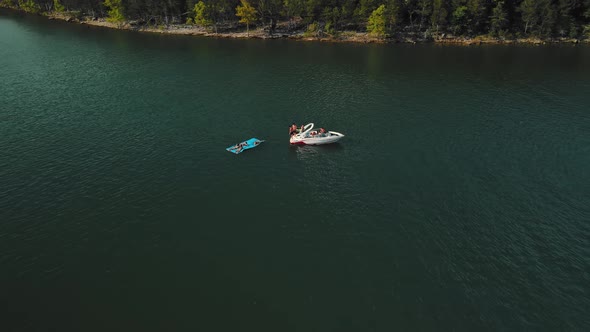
<point>458,200</point>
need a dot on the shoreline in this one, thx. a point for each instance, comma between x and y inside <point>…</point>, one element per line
<point>300,35</point>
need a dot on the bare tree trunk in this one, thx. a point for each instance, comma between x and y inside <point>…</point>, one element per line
<point>422,16</point>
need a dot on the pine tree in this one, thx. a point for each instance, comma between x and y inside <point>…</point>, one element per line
<point>247,14</point>
<point>439,14</point>
<point>425,9</point>
<point>499,19</point>
<point>115,11</point>
<point>363,9</point>
<point>567,16</point>
<point>528,9</point>
<point>411,8</point>
<point>459,19</point>
<point>376,23</point>
<point>548,17</point>
<point>539,16</point>
<point>312,9</point>
<point>478,16</point>
<point>58,7</point>
<point>292,8</point>
<point>29,6</point>
<point>201,12</point>
<point>394,13</point>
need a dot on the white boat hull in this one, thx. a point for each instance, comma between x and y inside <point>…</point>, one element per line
<point>307,137</point>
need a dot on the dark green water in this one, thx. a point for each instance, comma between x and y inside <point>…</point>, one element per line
<point>459,199</point>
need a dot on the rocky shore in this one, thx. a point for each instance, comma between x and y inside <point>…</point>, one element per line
<point>285,30</point>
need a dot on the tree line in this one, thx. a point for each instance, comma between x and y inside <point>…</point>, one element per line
<point>500,18</point>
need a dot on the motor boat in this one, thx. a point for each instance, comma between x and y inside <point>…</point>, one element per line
<point>308,136</point>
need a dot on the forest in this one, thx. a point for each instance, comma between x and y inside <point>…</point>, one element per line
<point>382,18</point>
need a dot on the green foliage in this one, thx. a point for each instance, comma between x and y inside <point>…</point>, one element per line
<point>29,6</point>
<point>329,29</point>
<point>574,31</point>
<point>364,9</point>
<point>499,20</point>
<point>424,9</point>
<point>312,30</point>
<point>202,16</point>
<point>246,13</point>
<point>332,17</point>
<point>6,3</point>
<point>542,18</point>
<point>269,11</point>
<point>566,21</point>
<point>58,7</point>
<point>327,14</point>
<point>539,17</point>
<point>460,19</point>
<point>528,9</point>
<point>336,16</point>
<point>439,14</point>
<point>394,13</point>
<point>477,15</point>
<point>292,8</point>
<point>548,18</point>
<point>376,23</point>
<point>312,9</point>
<point>347,10</point>
<point>115,11</point>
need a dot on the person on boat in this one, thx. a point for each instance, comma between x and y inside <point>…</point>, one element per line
<point>239,147</point>
<point>322,131</point>
<point>293,129</point>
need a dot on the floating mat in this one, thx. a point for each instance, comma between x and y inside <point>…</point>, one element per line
<point>249,144</point>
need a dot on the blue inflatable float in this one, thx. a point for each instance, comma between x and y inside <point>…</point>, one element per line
<point>245,145</point>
